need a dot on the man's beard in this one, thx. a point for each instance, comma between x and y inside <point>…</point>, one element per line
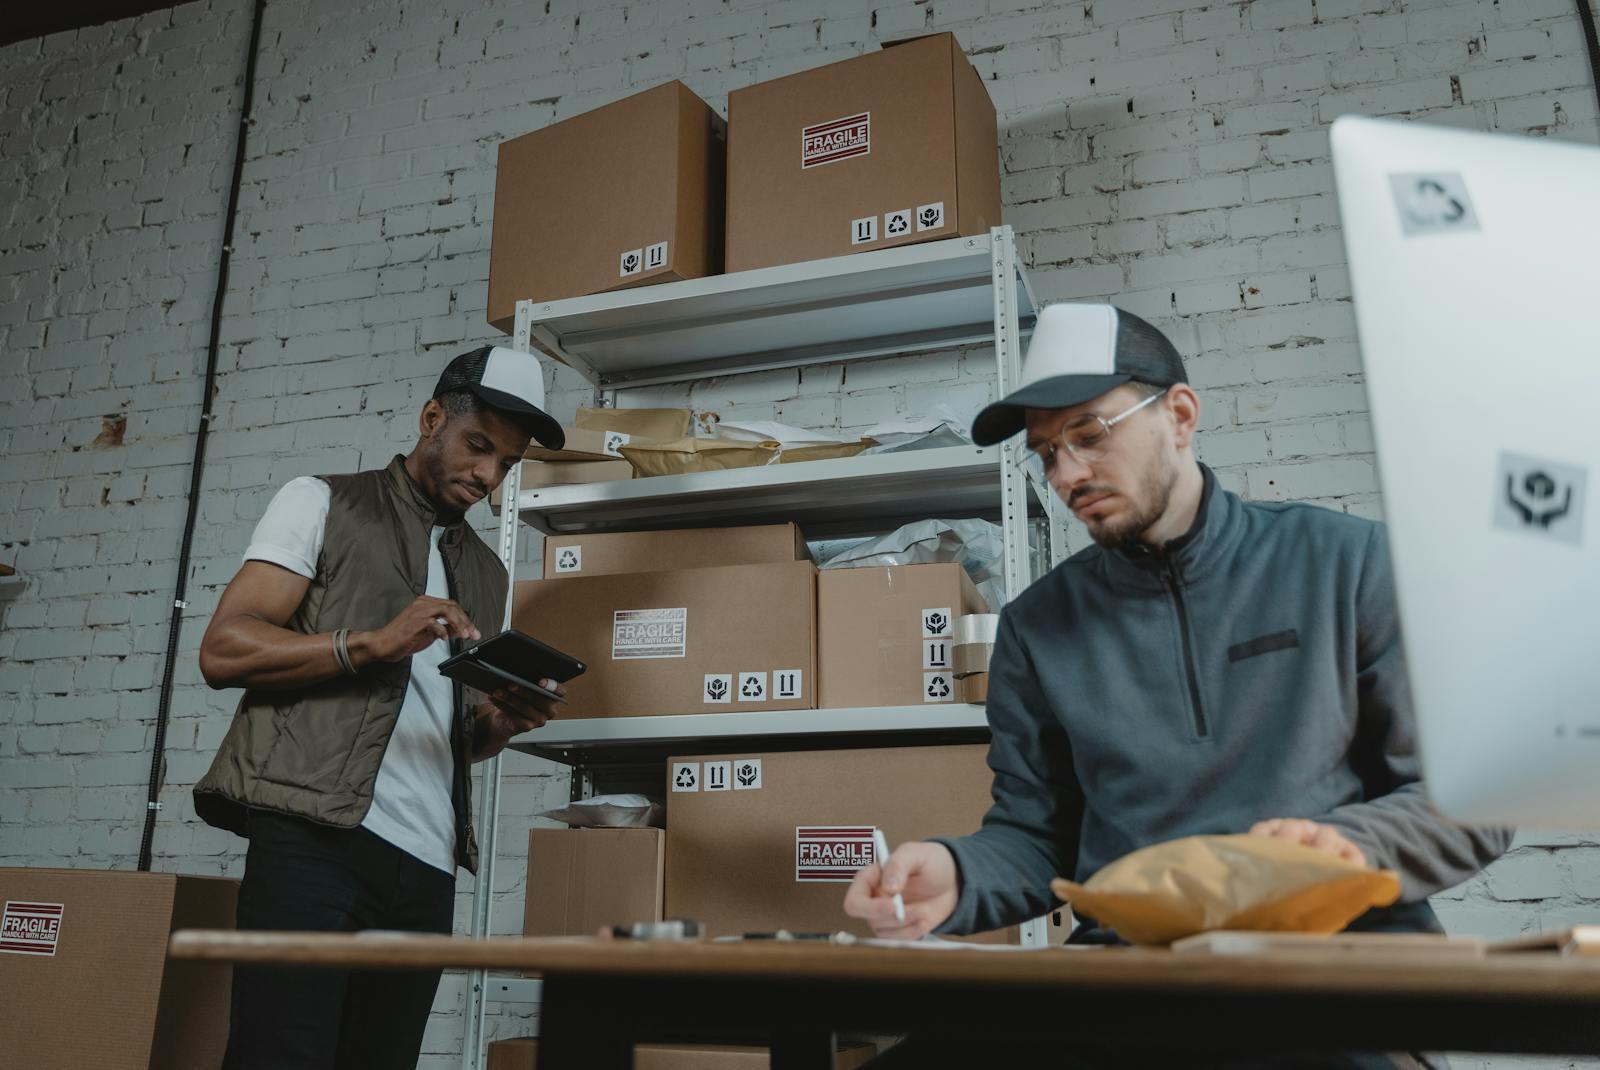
<point>435,480</point>
<point>1150,500</point>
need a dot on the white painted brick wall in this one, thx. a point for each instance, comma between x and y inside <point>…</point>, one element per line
<point>1168,154</point>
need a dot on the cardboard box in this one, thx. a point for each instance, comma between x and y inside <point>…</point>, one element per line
<point>583,444</point>
<point>84,970</point>
<point>566,473</point>
<point>658,551</point>
<point>702,640</point>
<point>627,194</point>
<point>582,879</point>
<point>778,849</point>
<point>522,1053</point>
<point>890,148</point>
<point>885,634</point>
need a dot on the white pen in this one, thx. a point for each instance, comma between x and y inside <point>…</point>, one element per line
<point>880,848</point>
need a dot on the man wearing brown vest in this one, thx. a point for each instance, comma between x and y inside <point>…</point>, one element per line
<point>347,763</point>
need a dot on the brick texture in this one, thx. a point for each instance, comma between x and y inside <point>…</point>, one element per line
<point>1168,154</point>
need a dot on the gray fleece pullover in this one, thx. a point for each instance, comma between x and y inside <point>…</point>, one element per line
<point>1251,669</point>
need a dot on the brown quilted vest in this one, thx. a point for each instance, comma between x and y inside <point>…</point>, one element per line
<point>314,753</point>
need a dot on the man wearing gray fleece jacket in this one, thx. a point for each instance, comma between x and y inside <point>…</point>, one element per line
<point>1211,666</point>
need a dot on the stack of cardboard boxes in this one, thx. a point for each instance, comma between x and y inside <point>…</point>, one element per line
<point>890,148</point>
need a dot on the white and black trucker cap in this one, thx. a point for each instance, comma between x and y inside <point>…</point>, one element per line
<point>1078,352</point>
<point>507,380</point>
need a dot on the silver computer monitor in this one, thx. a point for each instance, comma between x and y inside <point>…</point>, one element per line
<point>1475,270</point>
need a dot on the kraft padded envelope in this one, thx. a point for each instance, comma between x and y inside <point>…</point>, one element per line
<point>696,455</point>
<point>1172,890</point>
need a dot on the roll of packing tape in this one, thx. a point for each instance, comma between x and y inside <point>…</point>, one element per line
<point>977,628</point>
<point>971,658</point>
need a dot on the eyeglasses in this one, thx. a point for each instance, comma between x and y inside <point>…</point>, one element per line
<point>1086,438</point>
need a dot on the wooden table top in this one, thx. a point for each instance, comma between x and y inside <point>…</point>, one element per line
<point>1543,975</point>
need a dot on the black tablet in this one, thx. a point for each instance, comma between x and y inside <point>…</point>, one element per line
<point>511,658</point>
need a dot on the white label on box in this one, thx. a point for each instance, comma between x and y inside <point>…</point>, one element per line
<point>746,774</point>
<point>787,683</point>
<point>752,687</point>
<point>938,687</point>
<point>936,653</point>
<point>835,140</point>
<point>649,633</point>
<point>718,688</point>
<point>897,223</point>
<point>30,928</point>
<point>936,623</point>
<point>630,263</point>
<point>615,440</point>
<point>831,854</point>
<point>718,776</point>
<point>569,559</point>
<point>685,776</point>
<point>864,230</point>
<point>655,256</point>
<point>930,216</point>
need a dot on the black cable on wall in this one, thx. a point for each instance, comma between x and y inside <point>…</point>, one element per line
<point>197,465</point>
<point>1586,17</point>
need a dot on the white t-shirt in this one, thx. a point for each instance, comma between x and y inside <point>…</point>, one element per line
<point>411,800</point>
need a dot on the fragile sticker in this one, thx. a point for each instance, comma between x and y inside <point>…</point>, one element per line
<point>746,774</point>
<point>569,559</point>
<point>30,928</point>
<point>938,687</point>
<point>936,623</point>
<point>752,687</point>
<point>936,653</point>
<point>787,683</point>
<point>630,263</point>
<point>655,256</point>
<point>831,853</point>
<point>930,216</point>
<point>685,776</point>
<point>718,688</point>
<point>897,223</point>
<point>718,776</point>
<point>649,633</point>
<point>835,140</point>
<point>864,230</point>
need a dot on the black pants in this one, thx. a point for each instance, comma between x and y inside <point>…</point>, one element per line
<point>308,877</point>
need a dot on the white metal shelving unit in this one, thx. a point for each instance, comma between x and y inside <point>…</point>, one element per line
<point>909,299</point>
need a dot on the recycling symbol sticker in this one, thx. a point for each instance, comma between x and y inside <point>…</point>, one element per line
<point>752,686</point>
<point>685,776</point>
<point>569,559</point>
<point>897,223</point>
<point>615,440</point>
<point>937,687</point>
